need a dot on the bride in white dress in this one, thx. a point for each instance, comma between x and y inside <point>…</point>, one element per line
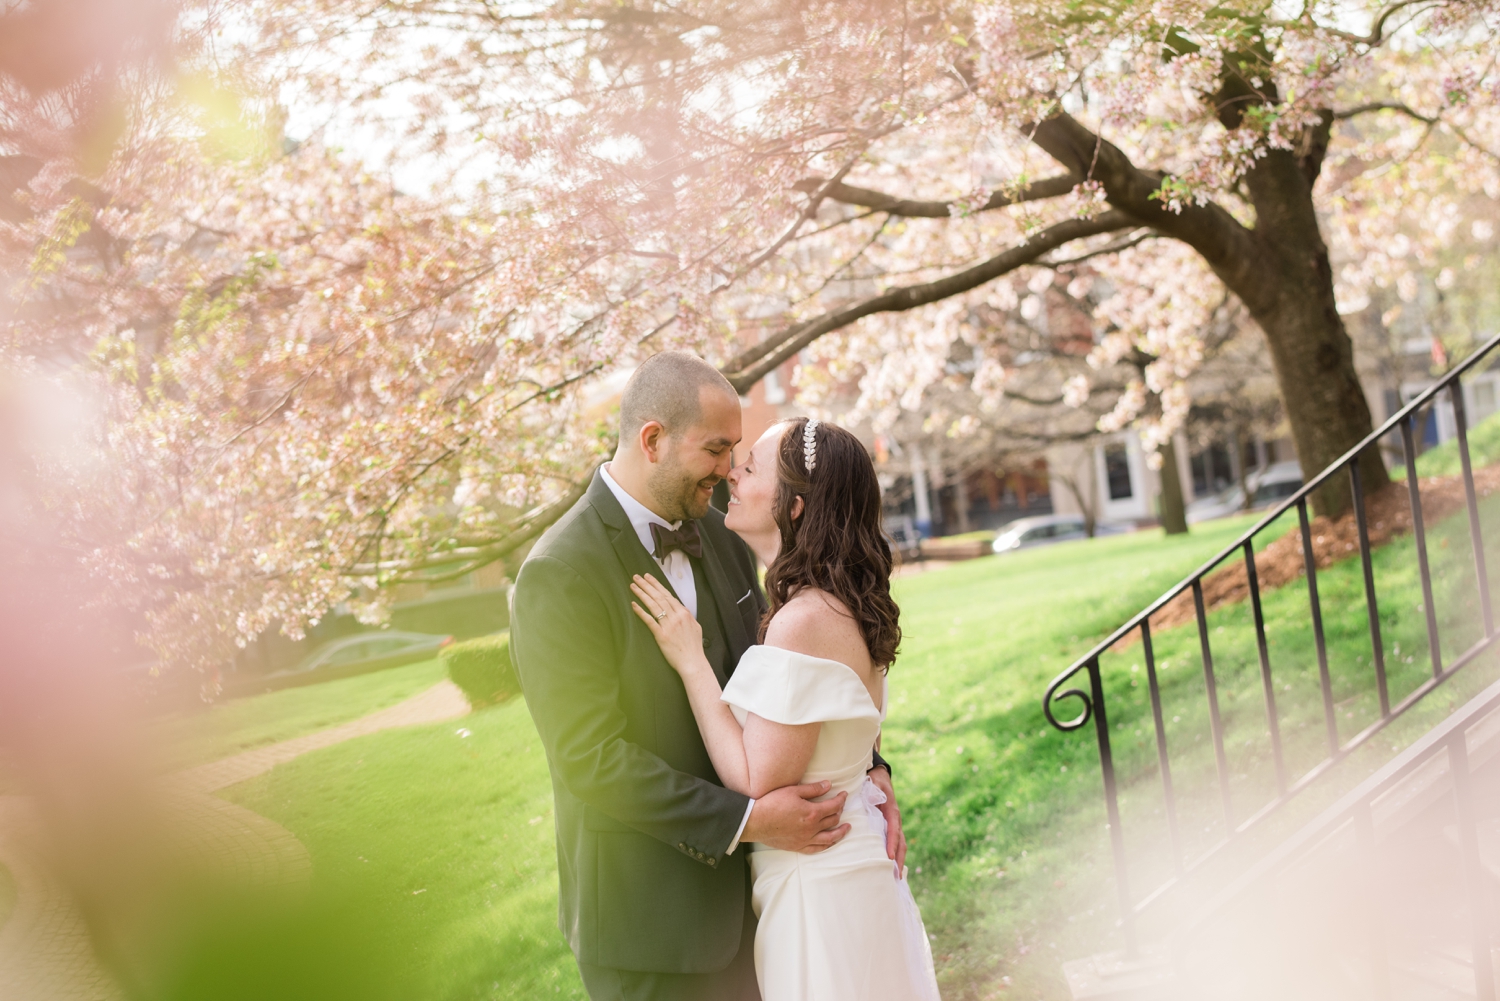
<point>806,705</point>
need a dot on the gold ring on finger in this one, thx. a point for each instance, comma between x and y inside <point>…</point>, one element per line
<point>660,616</point>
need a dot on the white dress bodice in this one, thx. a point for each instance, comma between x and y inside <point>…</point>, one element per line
<point>792,688</point>
<point>839,925</point>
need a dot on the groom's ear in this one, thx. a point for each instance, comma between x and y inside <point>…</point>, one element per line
<point>652,437</point>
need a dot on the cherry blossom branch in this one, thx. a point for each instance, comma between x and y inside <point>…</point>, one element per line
<point>1113,247</point>
<point>1377,30</point>
<point>1431,121</point>
<point>1208,228</point>
<point>1398,106</point>
<point>819,192</point>
<point>525,528</point>
<point>879,201</point>
<point>751,365</point>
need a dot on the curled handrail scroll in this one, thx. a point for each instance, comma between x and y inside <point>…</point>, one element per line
<point>1054,695</point>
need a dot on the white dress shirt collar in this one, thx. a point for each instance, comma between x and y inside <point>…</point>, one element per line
<point>641,517</point>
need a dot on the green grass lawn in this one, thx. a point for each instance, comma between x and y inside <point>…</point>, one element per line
<point>1008,813</point>
<point>235,725</point>
<point>452,835</point>
<point>468,820</point>
<point>1444,460</point>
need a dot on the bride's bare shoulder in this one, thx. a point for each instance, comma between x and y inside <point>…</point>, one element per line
<point>816,623</point>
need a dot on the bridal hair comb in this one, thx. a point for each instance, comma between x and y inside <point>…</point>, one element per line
<point>810,444</point>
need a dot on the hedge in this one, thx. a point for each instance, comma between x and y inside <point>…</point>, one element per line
<point>482,669</point>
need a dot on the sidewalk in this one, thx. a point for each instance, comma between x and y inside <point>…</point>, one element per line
<point>441,702</point>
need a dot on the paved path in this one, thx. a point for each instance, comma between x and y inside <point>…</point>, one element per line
<point>45,950</point>
<point>442,701</point>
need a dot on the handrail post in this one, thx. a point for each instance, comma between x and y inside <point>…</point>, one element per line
<point>1268,684</point>
<point>1476,539</point>
<point>1310,563</point>
<point>1377,648</point>
<point>1163,762</point>
<point>1419,535</point>
<point>1112,809</point>
<point>1215,725</point>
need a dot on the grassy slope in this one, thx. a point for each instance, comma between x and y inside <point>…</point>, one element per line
<point>465,820</point>
<point>1030,805</point>
<point>1005,812</point>
<point>1443,460</point>
<point>240,724</point>
<point>471,825</point>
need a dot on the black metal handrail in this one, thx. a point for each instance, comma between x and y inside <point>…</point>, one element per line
<point>1094,702</point>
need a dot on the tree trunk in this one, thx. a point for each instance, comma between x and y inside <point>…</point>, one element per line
<point>1279,269</point>
<point>1173,510</point>
<point>961,502</point>
<point>1310,348</point>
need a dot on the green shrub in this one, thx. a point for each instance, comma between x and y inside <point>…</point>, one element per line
<point>482,669</point>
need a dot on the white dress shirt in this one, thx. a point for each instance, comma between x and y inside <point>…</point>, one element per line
<point>677,568</point>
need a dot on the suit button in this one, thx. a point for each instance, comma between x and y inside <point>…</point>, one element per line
<point>681,847</point>
<point>705,642</point>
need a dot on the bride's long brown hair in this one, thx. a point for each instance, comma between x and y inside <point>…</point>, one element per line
<point>836,543</point>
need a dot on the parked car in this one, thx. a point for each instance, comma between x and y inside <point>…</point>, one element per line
<point>1275,484</point>
<point>372,651</point>
<point>1023,533</point>
<point>1226,502</point>
<point>1268,487</point>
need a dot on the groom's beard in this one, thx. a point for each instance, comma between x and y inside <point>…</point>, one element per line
<point>681,495</point>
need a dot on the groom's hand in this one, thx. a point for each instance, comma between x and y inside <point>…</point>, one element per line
<point>895,837</point>
<point>787,818</point>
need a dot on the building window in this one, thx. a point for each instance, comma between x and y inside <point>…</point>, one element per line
<point>1212,471</point>
<point>775,392</point>
<point>1117,472</point>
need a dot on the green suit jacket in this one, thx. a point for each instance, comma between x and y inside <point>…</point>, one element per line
<point>642,820</point>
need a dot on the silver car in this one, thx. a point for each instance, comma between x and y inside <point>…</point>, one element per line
<point>1042,530</point>
<point>1268,487</point>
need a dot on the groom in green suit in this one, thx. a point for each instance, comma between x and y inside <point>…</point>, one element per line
<point>651,848</point>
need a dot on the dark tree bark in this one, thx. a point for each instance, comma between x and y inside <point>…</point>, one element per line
<point>1173,509</point>
<point>1279,269</point>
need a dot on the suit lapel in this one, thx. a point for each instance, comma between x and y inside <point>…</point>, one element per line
<point>733,622</point>
<point>636,560</point>
<point>633,555</point>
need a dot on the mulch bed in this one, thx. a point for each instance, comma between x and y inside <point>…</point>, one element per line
<point>1387,512</point>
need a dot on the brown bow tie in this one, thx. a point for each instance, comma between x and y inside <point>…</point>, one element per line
<point>685,538</point>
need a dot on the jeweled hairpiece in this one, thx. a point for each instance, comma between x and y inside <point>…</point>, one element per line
<point>810,444</point>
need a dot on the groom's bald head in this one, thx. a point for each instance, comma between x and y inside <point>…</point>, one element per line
<point>668,389</point>
<point>679,423</point>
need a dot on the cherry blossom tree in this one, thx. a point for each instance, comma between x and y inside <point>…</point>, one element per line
<point>327,373</point>
<point>779,155</point>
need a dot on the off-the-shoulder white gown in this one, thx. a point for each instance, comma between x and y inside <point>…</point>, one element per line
<point>840,924</point>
